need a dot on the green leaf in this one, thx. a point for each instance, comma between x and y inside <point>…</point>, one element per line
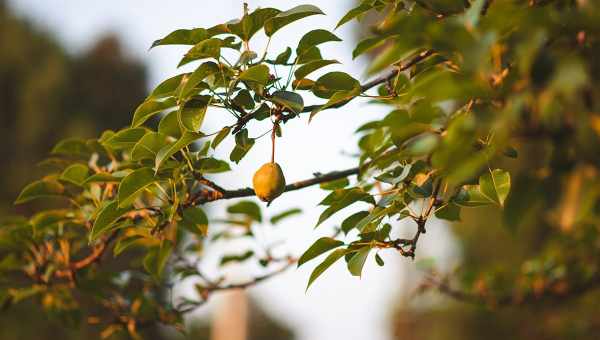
<point>195,221</point>
<point>209,48</point>
<point>220,136</point>
<point>42,188</point>
<point>379,260</point>
<point>332,82</point>
<point>202,72</point>
<point>257,73</point>
<point>133,184</point>
<point>283,57</point>
<point>247,208</point>
<point>150,108</point>
<point>352,221</point>
<point>336,184</point>
<point>191,114</point>
<point>353,13</point>
<point>244,99</point>
<point>311,54</point>
<point>148,146</point>
<point>314,38</point>
<point>357,261</point>
<point>125,139</point>
<point>167,88</point>
<point>101,177</point>
<point>284,18</point>
<point>289,100</point>
<point>183,37</point>
<point>169,125</point>
<point>169,150</point>
<point>495,185</point>
<point>449,212</point>
<point>125,243</point>
<point>72,147</point>
<point>236,258</point>
<point>366,45</point>
<point>211,165</point>
<point>471,196</point>
<point>312,66</point>
<point>75,174</point>
<point>279,217</point>
<point>321,246</point>
<point>342,198</point>
<point>157,258</point>
<point>252,23</point>
<point>339,98</point>
<point>321,268</point>
<point>243,144</point>
<point>106,218</point>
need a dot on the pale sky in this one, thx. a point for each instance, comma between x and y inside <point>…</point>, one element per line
<point>338,306</point>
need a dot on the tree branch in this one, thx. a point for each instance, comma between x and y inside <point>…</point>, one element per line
<point>550,294</point>
<point>204,197</point>
<point>93,257</point>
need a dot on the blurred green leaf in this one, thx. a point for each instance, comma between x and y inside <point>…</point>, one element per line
<point>353,13</point>
<point>283,215</point>
<point>236,258</point>
<point>75,174</point>
<point>195,221</point>
<point>38,189</point>
<point>247,208</point>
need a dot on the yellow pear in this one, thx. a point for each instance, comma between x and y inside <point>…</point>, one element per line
<point>268,182</point>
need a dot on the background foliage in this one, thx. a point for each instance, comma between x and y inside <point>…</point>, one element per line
<point>493,118</point>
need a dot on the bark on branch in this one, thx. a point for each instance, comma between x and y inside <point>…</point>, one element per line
<point>219,193</point>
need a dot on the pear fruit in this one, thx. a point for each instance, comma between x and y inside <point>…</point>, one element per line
<point>268,182</point>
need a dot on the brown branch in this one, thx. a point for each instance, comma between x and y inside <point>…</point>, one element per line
<point>214,287</point>
<point>218,194</point>
<point>93,257</point>
<point>573,291</point>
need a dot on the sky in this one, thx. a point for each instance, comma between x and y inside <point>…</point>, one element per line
<point>337,305</point>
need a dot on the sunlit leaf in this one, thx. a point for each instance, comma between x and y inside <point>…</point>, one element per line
<point>133,184</point>
<point>106,218</point>
<point>38,189</point>
<point>284,18</point>
<point>321,268</point>
<point>321,246</point>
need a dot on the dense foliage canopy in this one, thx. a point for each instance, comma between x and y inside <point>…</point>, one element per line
<point>471,88</point>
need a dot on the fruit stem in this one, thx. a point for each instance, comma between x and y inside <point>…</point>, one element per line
<point>273,135</point>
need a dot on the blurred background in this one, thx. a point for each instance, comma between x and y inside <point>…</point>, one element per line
<point>88,66</point>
